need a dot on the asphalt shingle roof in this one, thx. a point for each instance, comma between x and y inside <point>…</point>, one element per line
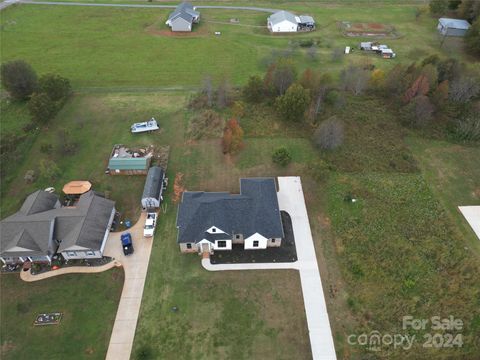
<point>280,16</point>
<point>254,210</point>
<point>30,232</point>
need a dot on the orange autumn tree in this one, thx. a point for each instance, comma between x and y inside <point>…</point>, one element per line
<point>232,141</point>
<point>419,87</point>
<point>178,187</point>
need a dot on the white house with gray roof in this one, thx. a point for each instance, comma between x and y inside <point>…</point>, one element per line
<point>42,227</point>
<point>284,21</point>
<point>211,221</point>
<point>183,17</point>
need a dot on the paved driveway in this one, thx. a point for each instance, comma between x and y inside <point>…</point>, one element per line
<point>290,198</point>
<point>135,267</point>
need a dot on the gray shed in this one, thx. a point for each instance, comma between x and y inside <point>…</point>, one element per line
<point>152,192</point>
<point>452,27</point>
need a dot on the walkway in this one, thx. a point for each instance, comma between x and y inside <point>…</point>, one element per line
<point>472,215</point>
<point>27,275</point>
<point>290,197</point>
<point>135,266</point>
<point>248,8</point>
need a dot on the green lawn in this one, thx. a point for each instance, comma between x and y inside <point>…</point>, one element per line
<point>88,303</point>
<point>112,47</point>
<point>453,173</point>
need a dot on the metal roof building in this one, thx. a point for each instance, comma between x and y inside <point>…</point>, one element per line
<point>452,27</point>
<point>152,191</point>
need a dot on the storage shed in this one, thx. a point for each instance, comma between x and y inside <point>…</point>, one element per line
<point>152,192</point>
<point>125,161</point>
<point>452,27</point>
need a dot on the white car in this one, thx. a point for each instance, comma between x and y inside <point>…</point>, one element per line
<point>149,125</point>
<point>150,223</point>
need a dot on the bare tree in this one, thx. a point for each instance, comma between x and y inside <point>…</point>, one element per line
<point>355,79</point>
<point>464,88</point>
<point>284,75</point>
<point>419,112</point>
<point>223,94</point>
<point>329,135</point>
<point>207,89</point>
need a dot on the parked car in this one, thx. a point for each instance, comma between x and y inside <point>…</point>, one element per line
<point>140,127</point>
<point>127,243</point>
<point>150,224</point>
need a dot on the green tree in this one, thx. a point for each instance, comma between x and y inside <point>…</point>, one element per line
<point>42,108</point>
<point>56,87</point>
<point>254,91</point>
<point>472,38</point>
<point>19,79</point>
<point>438,7</point>
<point>293,103</point>
<point>281,157</point>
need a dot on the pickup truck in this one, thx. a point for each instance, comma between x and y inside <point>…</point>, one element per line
<point>127,244</point>
<point>150,223</point>
<point>140,127</point>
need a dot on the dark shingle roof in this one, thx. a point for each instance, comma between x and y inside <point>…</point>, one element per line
<point>255,209</point>
<point>154,183</point>
<point>29,232</point>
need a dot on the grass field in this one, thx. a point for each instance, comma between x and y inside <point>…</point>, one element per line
<point>88,303</point>
<point>128,52</point>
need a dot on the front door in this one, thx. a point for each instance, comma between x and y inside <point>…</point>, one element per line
<point>205,248</point>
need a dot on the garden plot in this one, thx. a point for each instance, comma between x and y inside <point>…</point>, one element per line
<point>367,30</point>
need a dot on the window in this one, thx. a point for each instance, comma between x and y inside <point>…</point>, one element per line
<point>222,244</point>
<point>237,236</point>
<point>71,253</point>
<point>255,243</point>
<point>189,246</point>
<point>214,230</point>
<point>90,253</point>
<point>273,240</point>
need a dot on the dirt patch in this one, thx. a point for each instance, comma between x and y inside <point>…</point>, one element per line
<point>89,351</point>
<point>367,29</point>
<point>6,347</point>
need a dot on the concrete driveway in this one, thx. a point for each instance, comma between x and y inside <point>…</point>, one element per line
<point>291,200</point>
<point>135,267</point>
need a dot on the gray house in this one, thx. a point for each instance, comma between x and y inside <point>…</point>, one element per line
<point>211,221</point>
<point>152,191</point>
<point>182,18</point>
<point>452,27</point>
<point>42,227</point>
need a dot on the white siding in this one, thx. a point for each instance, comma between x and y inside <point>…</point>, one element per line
<point>228,243</point>
<point>284,26</point>
<point>262,242</point>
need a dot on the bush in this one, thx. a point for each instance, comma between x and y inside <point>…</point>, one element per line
<point>418,113</point>
<point>281,157</point>
<point>467,128</point>
<point>19,79</point>
<point>206,124</point>
<point>42,108</point>
<point>56,87</point>
<point>329,135</point>
<point>254,91</point>
<point>49,170</point>
<point>306,43</point>
<point>46,148</point>
<point>438,7</point>
<point>472,38</point>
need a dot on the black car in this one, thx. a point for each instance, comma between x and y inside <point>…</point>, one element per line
<point>127,243</point>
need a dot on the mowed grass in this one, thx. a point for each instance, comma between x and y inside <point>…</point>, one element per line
<point>226,315</point>
<point>119,47</point>
<point>95,124</point>
<point>453,173</point>
<point>88,303</point>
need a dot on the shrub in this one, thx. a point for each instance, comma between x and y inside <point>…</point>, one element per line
<point>438,7</point>
<point>42,108</point>
<point>206,124</point>
<point>306,42</point>
<point>19,79</point>
<point>472,38</point>
<point>467,128</point>
<point>329,135</point>
<point>232,141</point>
<point>281,157</point>
<point>46,148</point>
<point>418,113</point>
<point>49,170</point>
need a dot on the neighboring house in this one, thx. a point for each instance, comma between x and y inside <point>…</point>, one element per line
<point>125,161</point>
<point>42,227</point>
<point>452,27</point>
<point>209,221</point>
<point>182,18</point>
<point>282,21</point>
<point>152,192</point>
